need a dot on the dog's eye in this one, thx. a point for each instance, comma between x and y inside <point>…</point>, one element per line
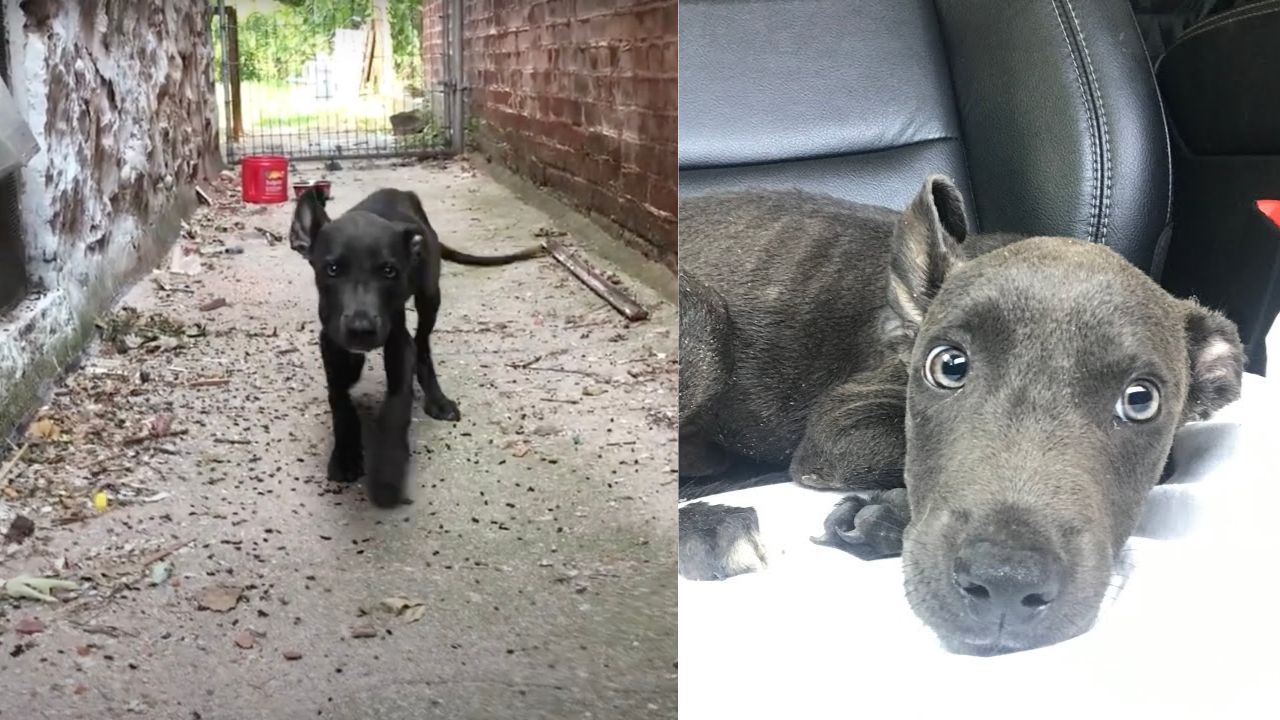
<point>331,269</point>
<point>389,271</point>
<point>946,367</point>
<point>1139,402</point>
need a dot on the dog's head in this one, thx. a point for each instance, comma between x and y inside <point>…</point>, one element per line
<point>364,267</point>
<point>1046,380</point>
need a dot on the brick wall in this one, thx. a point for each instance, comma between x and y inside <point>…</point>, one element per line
<point>579,96</point>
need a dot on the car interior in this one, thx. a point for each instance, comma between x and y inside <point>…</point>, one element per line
<point>1147,125</point>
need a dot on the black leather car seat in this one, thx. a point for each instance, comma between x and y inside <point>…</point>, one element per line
<point>1045,112</point>
<point>1220,83</point>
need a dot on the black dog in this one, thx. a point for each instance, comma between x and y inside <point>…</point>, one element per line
<point>367,263</point>
<point>1004,404</point>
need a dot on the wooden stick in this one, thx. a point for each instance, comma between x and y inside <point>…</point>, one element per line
<point>165,552</point>
<point>272,237</point>
<point>203,196</point>
<point>629,308</point>
<point>8,467</point>
<point>153,436</point>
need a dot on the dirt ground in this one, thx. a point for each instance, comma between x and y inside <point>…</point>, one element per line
<point>533,577</point>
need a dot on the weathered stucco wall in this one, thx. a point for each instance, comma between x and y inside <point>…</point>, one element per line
<point>119,94</point>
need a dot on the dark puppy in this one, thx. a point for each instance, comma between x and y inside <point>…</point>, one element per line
<point>367,264</point>
<point>1024,391</point>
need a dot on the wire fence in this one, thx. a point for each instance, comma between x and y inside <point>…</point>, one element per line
<point>324,79</point>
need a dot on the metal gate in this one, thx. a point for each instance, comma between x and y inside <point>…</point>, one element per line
<point>327,79</point>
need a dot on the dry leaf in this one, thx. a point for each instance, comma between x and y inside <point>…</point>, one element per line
<point>43,429</point>
<point>397,604</point>
<point>521,449</point>
<point>409,609</point>
<point>218,598</point>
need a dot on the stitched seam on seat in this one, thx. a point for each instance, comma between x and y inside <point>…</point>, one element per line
<point>1084,98</point>
<point>1241,13</point>
<point>1104,169</point>
<point>1164,125</point>
<point>1221,21</point>
<point>969,180</point>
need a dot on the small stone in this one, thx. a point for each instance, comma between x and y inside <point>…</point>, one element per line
<point>364,631</point>
<point>292,655</point>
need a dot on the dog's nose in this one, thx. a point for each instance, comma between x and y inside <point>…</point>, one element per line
<point>1016,583</point>
<point>361,326</point>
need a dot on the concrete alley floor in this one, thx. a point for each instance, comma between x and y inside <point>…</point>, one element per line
<point>228,579</point>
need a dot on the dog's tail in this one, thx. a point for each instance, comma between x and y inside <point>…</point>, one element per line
<point>462,258</point>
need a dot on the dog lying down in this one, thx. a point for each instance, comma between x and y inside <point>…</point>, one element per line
<point>368,263</point>
<point>999,405</point>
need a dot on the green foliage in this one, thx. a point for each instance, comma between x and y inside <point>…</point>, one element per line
<point>274,46</point>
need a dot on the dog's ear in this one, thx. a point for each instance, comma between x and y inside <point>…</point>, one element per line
<point>308,217</point>
<point>1215,360</point>
<point>925,249</point>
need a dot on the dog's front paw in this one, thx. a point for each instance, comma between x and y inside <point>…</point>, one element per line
<point>719,541</point>
<point>868,525</point>
<point>346,466</point>
<point>386,479</point>
<point>442,408</point>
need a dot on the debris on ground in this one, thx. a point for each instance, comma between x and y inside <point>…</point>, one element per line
<point>590,277</point>
<point>28,626</point>
<point>219,598</point>
<point>363,631</point>
<point>36,588</point>
<point>19,530</point>
<point>160,573</point>
<point>407,609</point>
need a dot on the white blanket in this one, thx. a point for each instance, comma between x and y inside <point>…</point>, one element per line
<point>1192,630</point>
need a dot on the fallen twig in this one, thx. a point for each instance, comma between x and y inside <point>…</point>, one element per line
<point>109,630</point>
<point>272,237</point>
<point>164,552</point>
<point>233,441</point>
<point>209,382</point>
<point>530,362</point>
<point>587,373</point>
<point>154,436</point>
<point>629,308</point>
<point>8,467</point>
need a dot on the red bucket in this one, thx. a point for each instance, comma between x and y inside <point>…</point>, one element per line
<point>264,179</point>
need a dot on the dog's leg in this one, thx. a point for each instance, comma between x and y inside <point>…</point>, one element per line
<point>855,437</point>
<point>389,461</point>
<point>437,405</point>
<point>342,370</point>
